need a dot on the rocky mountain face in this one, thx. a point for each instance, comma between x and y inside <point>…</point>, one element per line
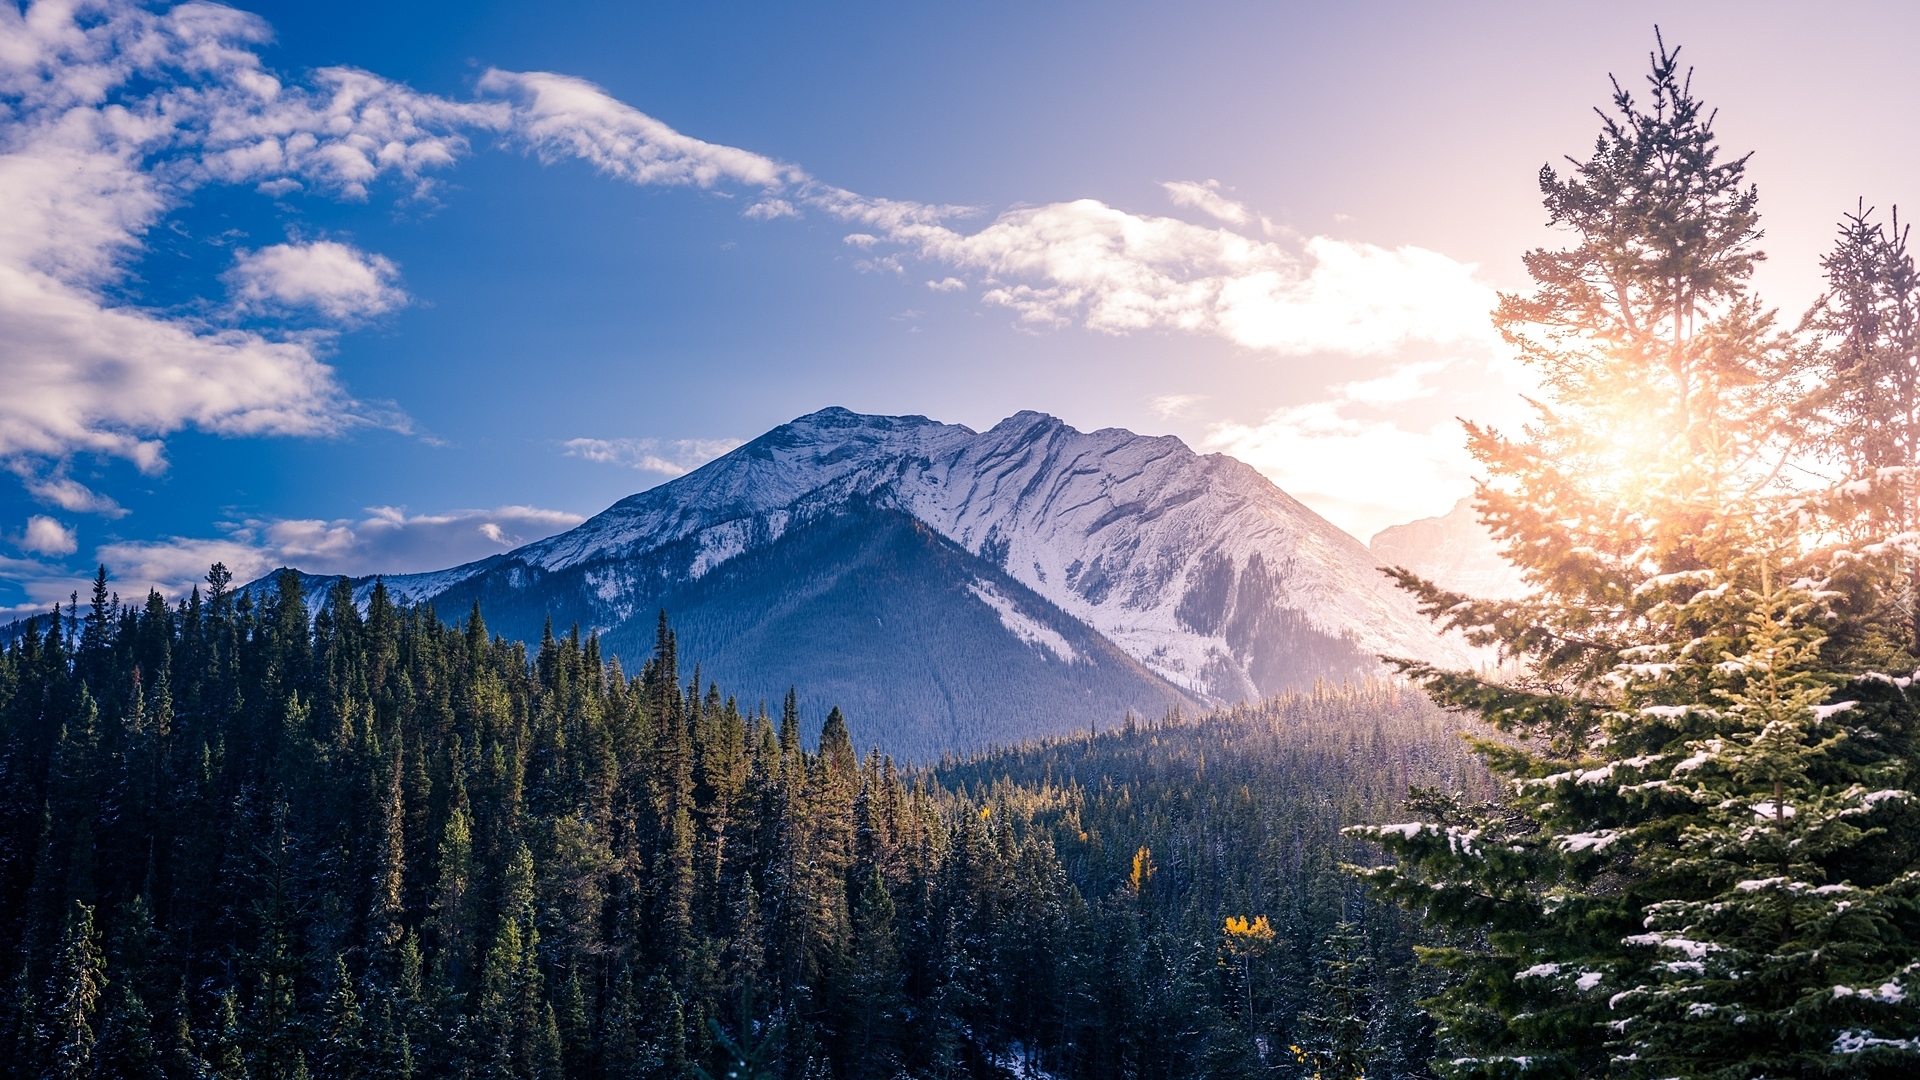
<point>966,586</point>
<point>1453,551</point>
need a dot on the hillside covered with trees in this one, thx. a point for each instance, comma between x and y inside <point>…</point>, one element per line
<point>259,841</point>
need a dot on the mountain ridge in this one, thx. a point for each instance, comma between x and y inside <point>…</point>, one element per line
<point>1195,567</point>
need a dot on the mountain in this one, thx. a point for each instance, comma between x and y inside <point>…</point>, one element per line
<point>960,587</point>
<point>1453,551</point>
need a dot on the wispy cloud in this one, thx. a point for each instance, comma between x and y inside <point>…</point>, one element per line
<point>1365,461</point>
<point>56,488</point>
<point>1173,406</point>
<point>559,116</point>
<point>1082,262</point>
<point>1207,199</point>
<point>668,457</point>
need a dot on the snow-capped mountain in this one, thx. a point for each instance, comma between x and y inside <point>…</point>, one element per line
<point>1190,563</point>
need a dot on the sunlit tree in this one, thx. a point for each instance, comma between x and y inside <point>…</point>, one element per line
<point>1705,861</point>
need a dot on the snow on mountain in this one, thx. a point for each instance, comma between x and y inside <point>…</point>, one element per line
<point>1193,564</point>
<point>1453,551</point>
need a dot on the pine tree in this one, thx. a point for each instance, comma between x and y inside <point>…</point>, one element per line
<point>1864,345</point>
<point>25,1044</point>
<point>225,1056</point>
<point>127,1045</point>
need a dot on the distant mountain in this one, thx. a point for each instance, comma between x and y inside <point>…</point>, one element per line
<point>952,588</point>
<point>1454,551</point>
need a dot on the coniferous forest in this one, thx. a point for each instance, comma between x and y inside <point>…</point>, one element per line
<point>261,841</point>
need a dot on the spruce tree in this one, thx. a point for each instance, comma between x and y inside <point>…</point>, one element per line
<point>1333,1028</point>
<point>1704,864</point>
<point>343,1049</point>
<point>73,999</point>
<point>874,1003</point>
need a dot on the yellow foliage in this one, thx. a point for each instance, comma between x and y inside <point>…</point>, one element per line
<point>1142,869</point>
<point>1313,1064</point>
<point>1258,928</point>
<point>1246,935</point>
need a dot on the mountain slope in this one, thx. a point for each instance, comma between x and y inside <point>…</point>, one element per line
<point>928,646</point>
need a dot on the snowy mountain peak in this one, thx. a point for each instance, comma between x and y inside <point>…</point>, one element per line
<point>1194,565</point>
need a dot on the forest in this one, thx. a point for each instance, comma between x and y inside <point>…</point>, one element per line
<point>1672,832</point>
<point>259,841</point>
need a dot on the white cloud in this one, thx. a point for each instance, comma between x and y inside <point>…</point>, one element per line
<point>1207,199</point>
<point>337,280</point>
<point>947,284</point>
<point>561,116</point>
<point>1171,406</point>
<point>110,115</point>
<point>1361,474</point>
<point>769,209</point>
<point>668,457</point>
<point>1407,382</point>
<point>1363,459</point>
<point>45,536</point>
<point>1114,271</point>
<point>1079,262</point>
<point>387,541</point>
<point>67,493</point>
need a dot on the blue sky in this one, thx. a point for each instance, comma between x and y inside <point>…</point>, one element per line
<point>391,286</point>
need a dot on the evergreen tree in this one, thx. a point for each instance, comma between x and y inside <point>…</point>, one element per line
<point>1708,828</point>
<point>73,999</point>
<point>870,1046</point>
<point>342,1050</point>
<point>1333,1029</point>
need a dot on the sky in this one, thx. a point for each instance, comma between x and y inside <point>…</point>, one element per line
<point>387,287</point>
